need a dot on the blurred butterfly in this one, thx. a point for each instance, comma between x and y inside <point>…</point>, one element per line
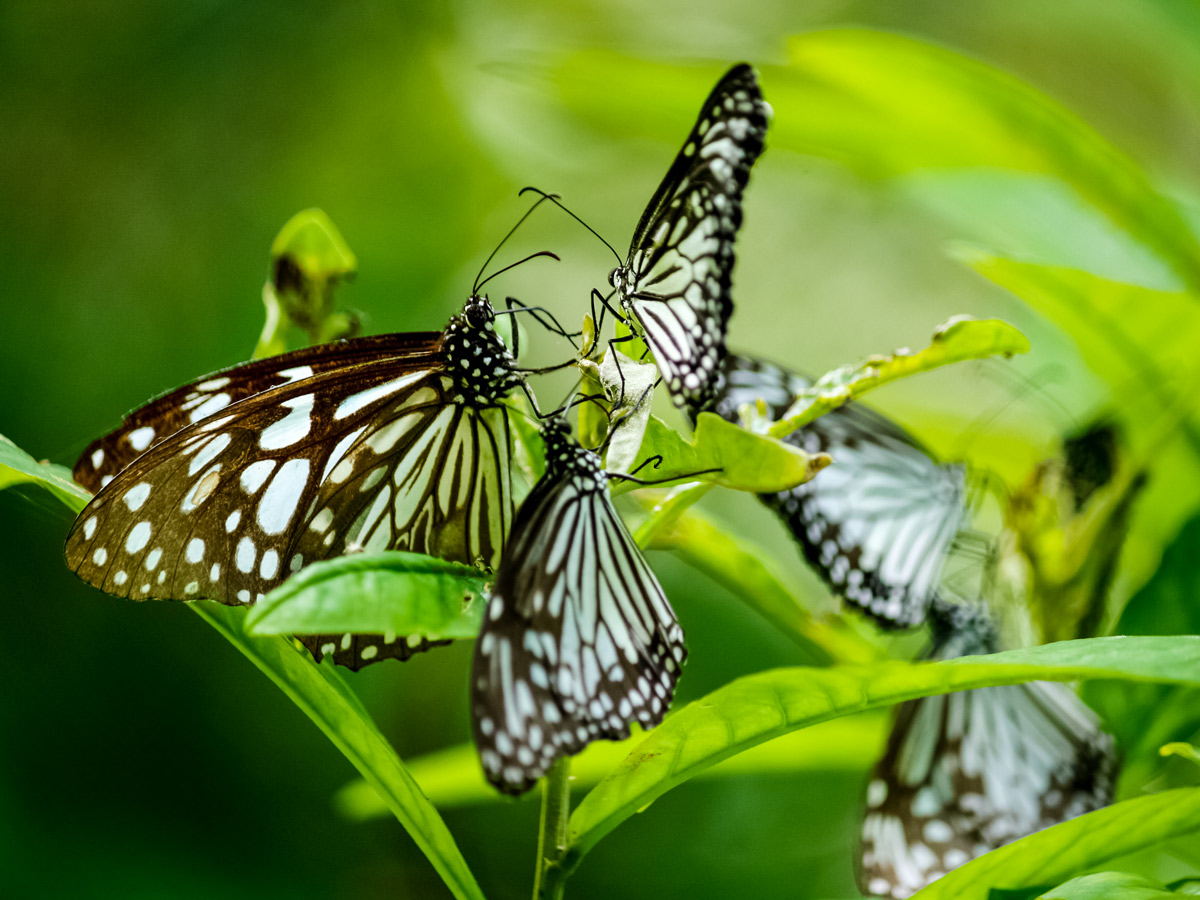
<point>578,640</point>
<point>876,525</point>
<point>676,281</point>
<point>968,772</point>
<point>224,487</point>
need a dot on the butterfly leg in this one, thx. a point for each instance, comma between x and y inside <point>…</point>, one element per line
<point>513,305</point>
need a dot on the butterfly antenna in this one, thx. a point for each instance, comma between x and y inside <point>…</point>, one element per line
<point>521,221</point>
<point>479,284</point>
<point>553,198</point>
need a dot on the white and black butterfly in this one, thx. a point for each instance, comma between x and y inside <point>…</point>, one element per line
<point>968,772</point>
<point>578,640</point>
<point>224,487</point>
<point>878,524</point>
<point>677,278</point>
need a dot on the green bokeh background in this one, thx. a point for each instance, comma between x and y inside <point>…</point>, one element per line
<point>148,155</point>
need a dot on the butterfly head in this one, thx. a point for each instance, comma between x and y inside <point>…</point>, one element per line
<point>476,356</point>
<point>565,457</point>
<point>961,629</point>
<point>620,279</point>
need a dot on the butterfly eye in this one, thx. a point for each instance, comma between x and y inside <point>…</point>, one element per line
<point>614,277</point>
<point>478,312</point>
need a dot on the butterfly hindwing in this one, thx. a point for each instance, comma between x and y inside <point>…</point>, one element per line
<point>154,422</point>
<point>878,524</point>
<point>677,279</point>
<point>578,640</point>
<point>968,772</point>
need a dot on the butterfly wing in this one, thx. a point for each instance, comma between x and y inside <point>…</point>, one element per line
<point>578,640</point>
<point>878,524</point>
<point>157,420</point>
<point>378,455</point>
<point>677,280</point>
<point>968,772</point>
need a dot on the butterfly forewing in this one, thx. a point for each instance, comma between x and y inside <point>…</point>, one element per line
<point>878,524</point>
<point>157,420</point>
<point>968,772</point>
<point>578,640</point>
<point>677,279</point>
<point>214,511</point>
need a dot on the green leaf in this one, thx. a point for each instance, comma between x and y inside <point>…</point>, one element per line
<point>1076,846</point>
<point>1126,334</point>
<point>393,592</point>
<point>760,707</point>
<point>960,339</point>
<point>1179,748</point>
<point>309,258</point>
<point>324,697</point>
<point>18,467</point>
<point>1108,886</point>
<point>452,777</point>
<point>738,458</point>
<point>887,105</point>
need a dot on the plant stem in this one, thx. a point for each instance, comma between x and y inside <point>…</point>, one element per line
<point>551,877</point>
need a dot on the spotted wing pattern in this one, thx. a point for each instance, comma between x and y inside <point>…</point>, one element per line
<point>578,640</point>
<point>408,452</point>
<point>157,420</point>
<point>678,276</point>
<point>878,524</point>
<point>966,773</point>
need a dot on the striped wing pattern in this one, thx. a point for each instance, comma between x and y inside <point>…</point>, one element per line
<point>578,640</point>
<point>968,772</point>
<point>678,276</point>
<point>154,422</point>
<point>406,451</point>
<point>878,524</point>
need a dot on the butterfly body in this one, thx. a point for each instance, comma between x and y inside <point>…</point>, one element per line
<point>578,640</point>
<point>359,447</point>
<point>675,285</point>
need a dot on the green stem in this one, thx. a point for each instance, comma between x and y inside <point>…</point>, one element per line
<point>551,877</point>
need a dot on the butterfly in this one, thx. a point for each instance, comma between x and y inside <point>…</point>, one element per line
<point>676,280</point>
<point>578,640</point>
<point>968,772</point>
<point>224,487</point>
<point>877,525</point>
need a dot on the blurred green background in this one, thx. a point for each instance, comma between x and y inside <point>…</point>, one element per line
<point>150,152</point>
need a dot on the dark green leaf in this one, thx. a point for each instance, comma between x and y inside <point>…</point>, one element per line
<point>322,695</point>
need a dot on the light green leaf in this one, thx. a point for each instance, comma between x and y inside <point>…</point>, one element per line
<point>1127,334</point>
<point>393,592</point>
<point>886,105</point>
<point>18,467</point>
<point>309,258</point>
<point>758,708</point>
<point>738,458</point>
<point>962,338</point>
<point>324,697</point>
<point>453,778</point>
<point>1077,846</point>
<point>1108,886</point>
<point>1179,748</point>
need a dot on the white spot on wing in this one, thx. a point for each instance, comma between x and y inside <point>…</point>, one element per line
<point>136,496</point>
<point>355,402</point>
<point>292,427</point>
<point>255,474</point>
<point>139,536</point>
<point>140,438</point>
<point>279,501</point>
